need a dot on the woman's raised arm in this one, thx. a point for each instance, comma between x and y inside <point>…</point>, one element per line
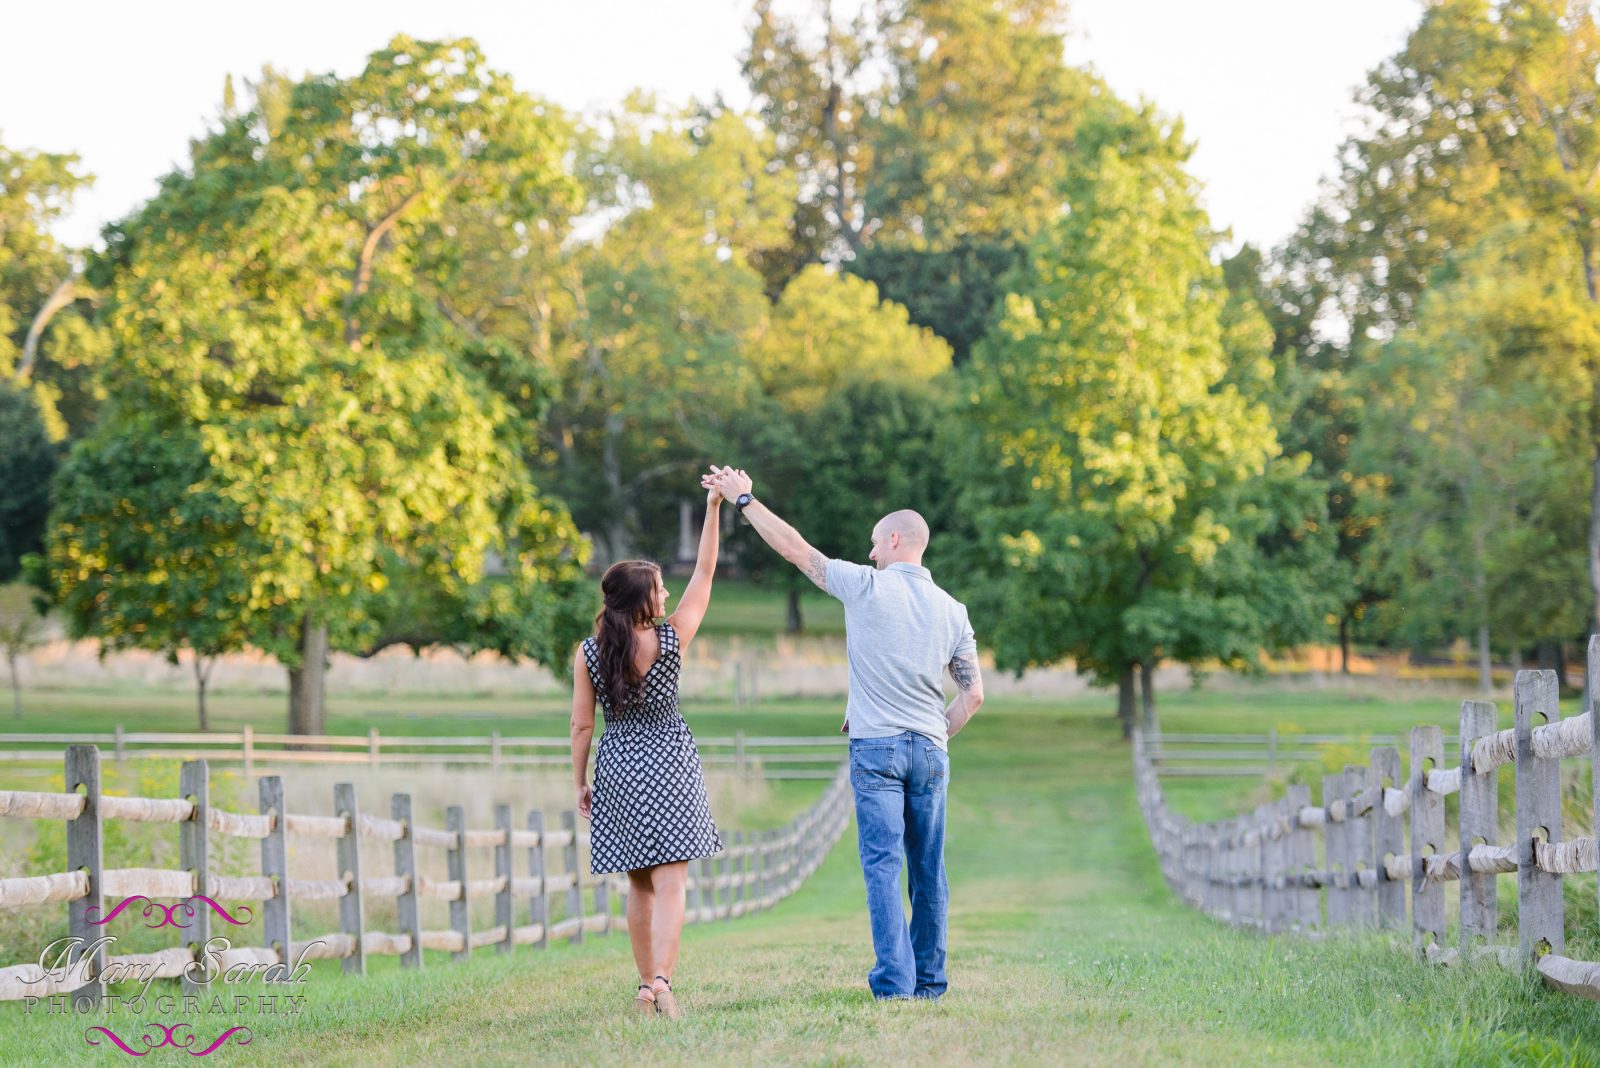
<point>697,597</point>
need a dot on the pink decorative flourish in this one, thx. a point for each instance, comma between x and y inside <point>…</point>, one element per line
<point>186,907</point>
<point>244,910</point>
<point>167,1039</point>
<point>222,1038</point>
<point>112,1035</point>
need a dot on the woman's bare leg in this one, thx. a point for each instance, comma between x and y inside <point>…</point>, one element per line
<point>641,904</point>
<point>666,926</point>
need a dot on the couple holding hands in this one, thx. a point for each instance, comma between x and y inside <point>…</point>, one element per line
<point>647,807</point>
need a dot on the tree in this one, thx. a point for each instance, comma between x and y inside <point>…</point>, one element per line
<point>1126,520</point>
<point>1488,115</point>
<point>1472,437</point>
<point>27,464</point>
<point>854,394</point>
<point>145,554</point>
<point>268,301</point>
<point>37,275</point>
<point>659,313</point>
<point>21,629</point>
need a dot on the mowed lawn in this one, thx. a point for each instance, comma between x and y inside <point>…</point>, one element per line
<point>1065,948</point>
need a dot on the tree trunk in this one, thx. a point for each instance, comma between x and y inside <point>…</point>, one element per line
<point>1125,701</point>
<point>1485,680</point>
<point>307,714</point>
<point>202,675</point>
<point>1344,644</point>
<point>1147,693</point>
<point>616,532</point>
<point>796,622</point>
<point>16,685</point>
<point>1561,665</point>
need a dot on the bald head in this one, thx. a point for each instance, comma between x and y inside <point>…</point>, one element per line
<point>899,537</point>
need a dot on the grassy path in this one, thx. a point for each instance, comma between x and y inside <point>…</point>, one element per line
<point>1065,948</point>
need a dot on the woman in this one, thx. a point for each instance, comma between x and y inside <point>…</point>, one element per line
<point>648,810</point>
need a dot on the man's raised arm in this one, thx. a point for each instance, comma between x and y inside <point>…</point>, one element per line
<point>773,530</point>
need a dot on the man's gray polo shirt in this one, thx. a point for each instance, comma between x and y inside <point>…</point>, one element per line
<point>901,632</point>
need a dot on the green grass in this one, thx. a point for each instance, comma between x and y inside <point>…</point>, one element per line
<point>1065,948</point>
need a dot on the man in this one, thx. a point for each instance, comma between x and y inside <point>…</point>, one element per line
<point>901,632</point>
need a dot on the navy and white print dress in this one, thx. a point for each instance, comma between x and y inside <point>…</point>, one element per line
<point>649,805</point>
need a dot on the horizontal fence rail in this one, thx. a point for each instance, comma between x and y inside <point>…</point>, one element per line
<point>1378,838</point>
<point>755,871</point>
<point>1250,755</point>
<point>766,757</point>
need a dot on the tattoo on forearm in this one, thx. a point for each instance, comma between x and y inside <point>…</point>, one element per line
<point>817,570</point>
<point>965,671</point>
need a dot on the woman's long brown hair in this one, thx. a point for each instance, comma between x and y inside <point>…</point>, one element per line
<point>628,589</point>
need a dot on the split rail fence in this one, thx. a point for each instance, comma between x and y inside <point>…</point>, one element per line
<point>754,872</point>
<point>770,758</point>
<point>1384,840</point>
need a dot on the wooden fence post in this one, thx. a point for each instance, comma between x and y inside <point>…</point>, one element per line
<point>541,900</point>
<point>1427,839</point>
<point>502,870</point>
<point>249,751</point>
<point>405,866</point>
<point>455,821</point>
<point>194,784</point>
<point>1480,813</point>
<point>737,908</point>
<point>569,856</point>
<point>348,848</point>
<point>372,745</point>
<point>1338,866</point>
<point>1273,841</point>
<point>708,893</point>
<point>1360,845</point>
<point>84,854</point>
<point>1388,838</point>
<point>1540,913</point>
<point>1307,911</point>
<point>602,896</point>
<point>1591,680</point>
<point>275,919</point>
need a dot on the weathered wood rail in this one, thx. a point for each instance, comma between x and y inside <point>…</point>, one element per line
<point>1383,840</point>
<point>1178,755</point>
<point>754,872</point>
<point>771,758</point>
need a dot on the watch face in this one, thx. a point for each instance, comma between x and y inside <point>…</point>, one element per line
<point>744,499</point>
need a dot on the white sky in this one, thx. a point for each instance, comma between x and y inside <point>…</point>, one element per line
<point>1264,86</point>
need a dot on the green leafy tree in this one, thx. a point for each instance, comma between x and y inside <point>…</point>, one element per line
<point>28,462</point>
<point>1467,438</point>
<point>21,629</point>
<point>269,300</point>
<point>1487,116</point>
<point>39,281</point>
<point>1116,479</point>
<point>659,313</point>
<point>146,555</point>
<point>853,393</point>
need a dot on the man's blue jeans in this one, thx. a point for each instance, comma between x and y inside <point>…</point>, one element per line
<point>899,786</point>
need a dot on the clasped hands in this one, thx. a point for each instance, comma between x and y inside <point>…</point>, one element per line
<point>724,483</point>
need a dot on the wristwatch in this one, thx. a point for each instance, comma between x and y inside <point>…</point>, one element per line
<point>742,500</point>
